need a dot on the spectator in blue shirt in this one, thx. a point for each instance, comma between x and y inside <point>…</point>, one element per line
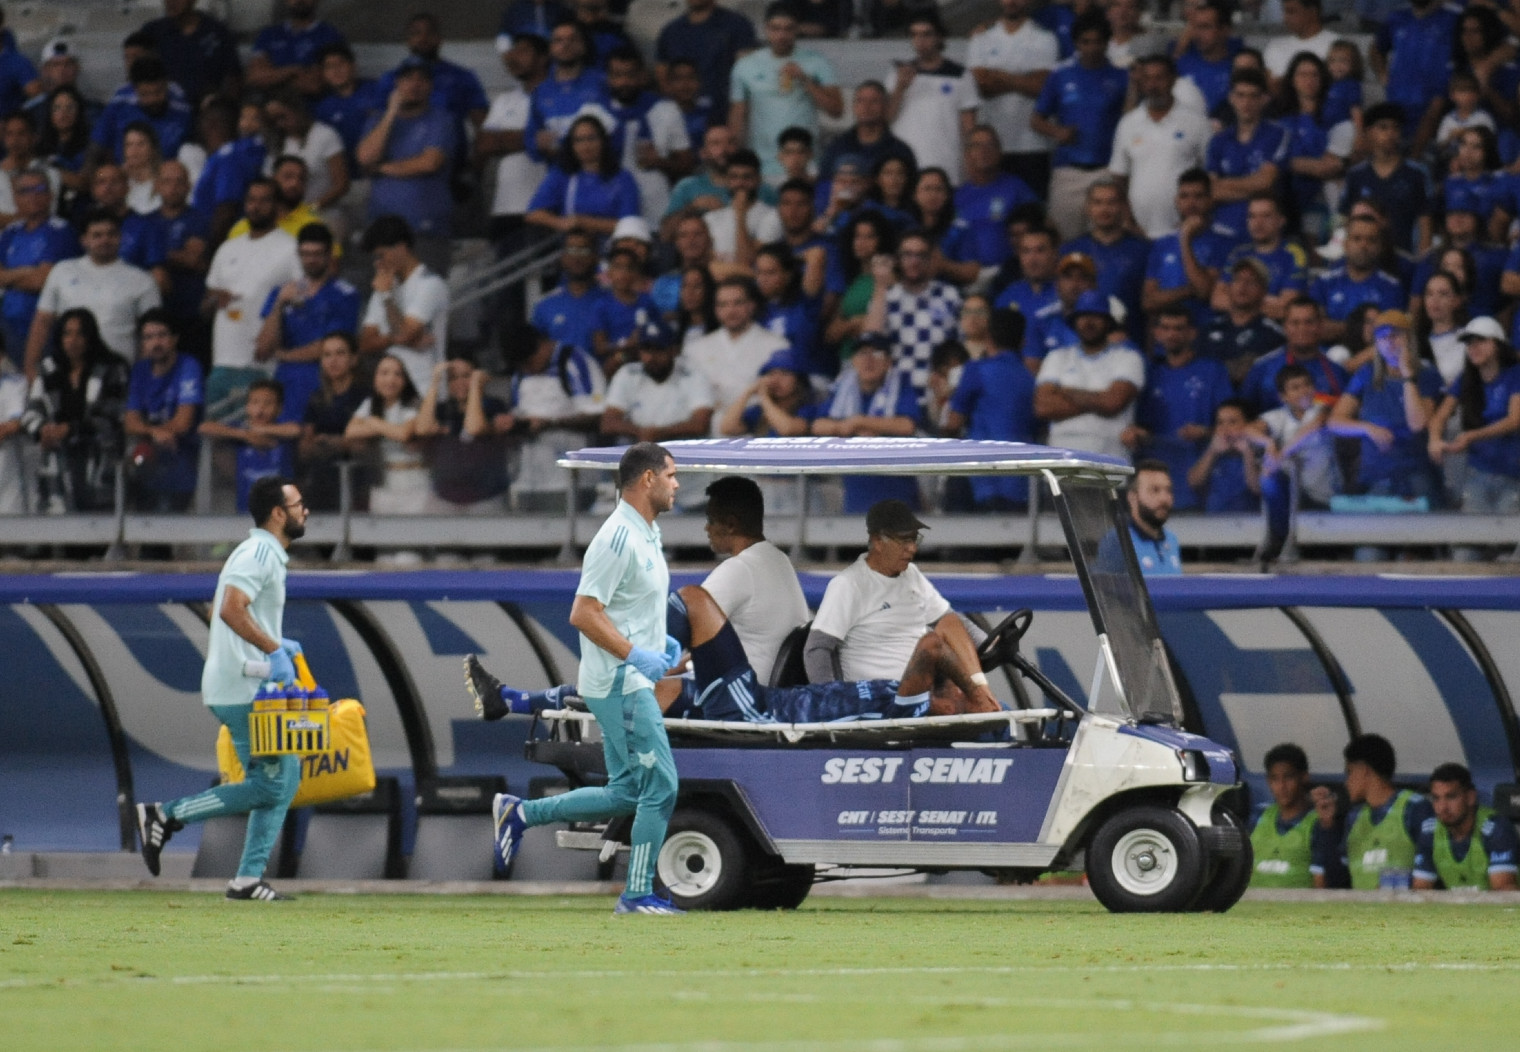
<point>142,242</point>
<point>186,235</point>
<point>150,100</point>
<point>995,401</point>
<point>1240,333</point>
<point>456,89</point>
<point>347,101</point>
<point>586,189</point>
<point>1487,394</point>
<point>1176,409</point>
<point>712,38</point>
<point>289,52</point>
<point>407,149</point>
<point>64,142</point>
<point>264,439</point>
<point>28,249</point>
<point>300,314</point>
<point>1300,107</point>
<point>1210,53</point>
<point>18,77</point>
<point>533,17</point>
<point>568,315</point>
<point>572,87</point>
<point>1120,256</point>
<point>1412,56</point>
<point>1150,505</point>
<point>1399,186</point>
<point>198,51</point>
<point>622,311</point>
<point>1036,290</point>
<point>1078,108</point>
<point>1464,252</point>
<point>1301,330</point>
<point>933,212</point>
<point>789,312</point>
<point>1475,182</point>
<point>1388,404</point>
<point>1185,267</point>
<point>987,196</point>
<point>1356,279</point>
<point>1247,158</point>
<point>1228,474</point>
<point>165,398</point>
<point>1285,262</point>
<point>1463,845</point>
<point>871,399</point>
<point>234,140</point>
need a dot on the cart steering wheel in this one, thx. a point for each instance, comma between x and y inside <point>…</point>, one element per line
<point>1003,641</point>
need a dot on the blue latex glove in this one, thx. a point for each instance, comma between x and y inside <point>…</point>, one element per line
<point>281,668</point>
<point>291,647</point>
<point>652,665</point>
<point>673,650</point>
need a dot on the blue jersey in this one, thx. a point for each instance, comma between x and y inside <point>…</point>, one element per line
<point>1497,456</point>
<point>158,398</point>
<point>1418,49</point>
<point>1058,19</point>
<point>254,463</point>
<point>1490,263</point>
<point>566,318</point>
<point>617,321</point>
<point>996,396</point>
<point>1344,96</point>
<point>1404,195</point>
<point>16,72</point>
<point>1161,558</point>
<point>1089,100</point>
<point>1121,272</point>
<point>1307,137</point>
<point>228,172</point>
<point>587,194</point>
<point>426,201</point>
<point>556,103</point>
<point>713,46</point>
<point>1226,490</point>
<point>1483,194</point>
<point>1236,345</point>
<point>456,89</point>
<point>986,209</point>
<point>1164,265</point>
<point>285,44</point>
<point>335,307</point>
<point>524,17</point>
<point>1496,834</point>
<point>172,126</point>
<point>1287,266</point>
<point>142,241</point>
<point>1027,299</point>
<point>201,61</point>
<point>576,369</point>
<point>1230,158</point>
<point>1211,77</point>
<point>348,115</point>
<point>187,288</point>
<point>50,241</point>
<point>1174,397</point>
<point>1260,385</point>
<point>1340,294</point>
<point>1384,405</point>
<point>797,323</point>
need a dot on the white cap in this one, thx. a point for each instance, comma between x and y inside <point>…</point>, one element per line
<point>1484,328</point>
<point>634,227</point>
<point>58,47</point>
<point>503,43</point>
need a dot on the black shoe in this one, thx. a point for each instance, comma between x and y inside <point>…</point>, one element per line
<point>260,892</point>
<point>154,830</point>
<point>485,689</point>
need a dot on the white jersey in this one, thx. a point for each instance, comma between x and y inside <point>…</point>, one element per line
<point>648,403</point>
<point>1028,50</point>
<point>759,592</point>
<point>250,268</point>
<point>518,175</point>
<point>761,220</point>
<point>880,619</point>
<point>1151,155</point>
<point>117,294</point>
<point>929,120</point>
<point>1074,368</point>
<point>257,569</point>
<point>731,365</point>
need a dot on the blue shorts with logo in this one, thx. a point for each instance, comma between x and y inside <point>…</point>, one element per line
<point>725,688</point>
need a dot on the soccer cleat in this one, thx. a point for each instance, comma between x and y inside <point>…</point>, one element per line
<point>506,812</point>
<point>651,904</point>
<point>485,689</point>
<point>260,892</point>
<point>154,829</point>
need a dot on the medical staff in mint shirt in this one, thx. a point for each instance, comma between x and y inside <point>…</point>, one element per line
<point>1286,833</point>
<point>1463,845</point>
<point>1383,826</point>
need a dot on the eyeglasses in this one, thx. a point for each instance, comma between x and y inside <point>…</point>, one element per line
<point>293,507</point>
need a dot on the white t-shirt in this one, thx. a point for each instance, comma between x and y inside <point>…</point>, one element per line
<point>650,404</point>
<point>731,365</point>
<point>543,397</point>
<point>762,221</point>
<point>117,294</point>
<point>667,133</point>
<point>424,296</point>
<point>1152,154</point>
<point>322,144</point>
<point>1315,458</point>
<point>1071,367</point>
<point>759,591</point>
<point>929,119</point>
<point>1279,52</point>
<point>143,197</point>
<point>880,619</point>
<point>250,268</point>
<point>1031,48</point>
<point>12,471</point>
<point>193,157</point>
<point>517,175</point>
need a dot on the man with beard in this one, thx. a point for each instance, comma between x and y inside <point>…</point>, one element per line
<point>244,271</point>
<point>300,314</point>
<point>244,650</point>
<point>1150,505</point>
<point>292,213</point>
<point>649,133</point>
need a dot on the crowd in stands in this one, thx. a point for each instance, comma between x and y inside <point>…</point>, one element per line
<point>1275,269</point>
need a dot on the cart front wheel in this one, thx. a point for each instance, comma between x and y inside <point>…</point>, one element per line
<point>1145,860</point>
<point>704,863</point>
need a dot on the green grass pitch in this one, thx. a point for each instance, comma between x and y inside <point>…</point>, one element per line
<point>177,972</point>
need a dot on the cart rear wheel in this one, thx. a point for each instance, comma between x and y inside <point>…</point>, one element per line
<point>1145,860</point>
<point>1231,875</point>
<point>783,888</point>
<point>704,863</point>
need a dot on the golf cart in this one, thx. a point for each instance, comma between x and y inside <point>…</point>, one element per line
<point>1111,784</point>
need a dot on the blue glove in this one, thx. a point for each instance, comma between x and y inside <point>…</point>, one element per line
<point>291,647</point>
<point>652,665</point>
<point>281,668</point>
<point>673,650</point>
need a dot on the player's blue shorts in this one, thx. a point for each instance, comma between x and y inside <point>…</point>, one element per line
<point>726,689</point>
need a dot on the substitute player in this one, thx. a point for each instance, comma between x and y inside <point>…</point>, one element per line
<point>1284,838</point>
<point>619,611</point>
<point>1463,845</point>
<point>244,650</point>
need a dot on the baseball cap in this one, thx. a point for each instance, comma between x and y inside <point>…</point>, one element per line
<point>1391,319</point>
<point>853,161</point>
<point>1093,302</point>
<point>58,47</point>
<point>1080,261</point>
<point>417,63</point>
<point>1254,265</point>
<point>635,227</point>
<point>1484,328</point>
<point>892,517</point>
<point>874,341</point>
<point>656,335</point>
<point>789,360</point>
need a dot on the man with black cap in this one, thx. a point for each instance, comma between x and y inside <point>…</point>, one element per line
<point>659,397</point>
<point>876,613</point>
<point>1087,390</point>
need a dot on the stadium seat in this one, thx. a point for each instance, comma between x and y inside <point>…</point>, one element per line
<point>355,839</point>
<point>454,831</point>
<point>789,670</point>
